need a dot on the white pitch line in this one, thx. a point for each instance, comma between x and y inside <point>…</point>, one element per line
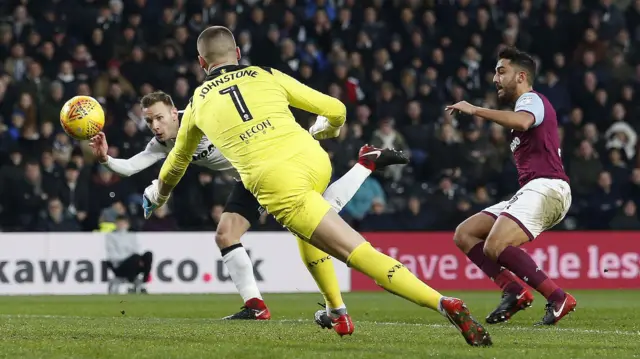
<point>500,327</point>
<point>400,324</point>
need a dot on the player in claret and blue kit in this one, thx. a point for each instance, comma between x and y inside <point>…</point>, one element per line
<point>491,238</point>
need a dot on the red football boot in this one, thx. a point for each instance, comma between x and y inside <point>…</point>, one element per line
<point>253,309</point>
<point>558,310</point>
<point>510,304</point>
<point>339,321</point>
<point>458,314</point>
<point>377,158</point>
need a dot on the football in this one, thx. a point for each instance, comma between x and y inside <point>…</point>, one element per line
<point>82,117</point>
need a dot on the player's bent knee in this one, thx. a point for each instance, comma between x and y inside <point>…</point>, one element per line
<point>472,231</point>
<point>230,229</point>
<point>493,249</point>
<point>461,237</point>
<point>507,231</point>
<point>224,236</point>
<point>224,239</point>
<point>496,243</point>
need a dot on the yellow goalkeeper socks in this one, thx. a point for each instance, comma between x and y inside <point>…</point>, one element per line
<point>321,268</point>
<point>392,276</point>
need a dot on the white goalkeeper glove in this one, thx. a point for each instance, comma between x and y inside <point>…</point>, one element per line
<point>152,199</point>
<point>322,129</point>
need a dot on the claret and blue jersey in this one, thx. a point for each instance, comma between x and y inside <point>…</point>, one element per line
<point>537,151</point>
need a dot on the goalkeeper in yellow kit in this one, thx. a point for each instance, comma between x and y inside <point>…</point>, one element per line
<point>244,111</point>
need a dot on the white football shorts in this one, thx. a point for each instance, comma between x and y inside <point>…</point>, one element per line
<point>537,206</point>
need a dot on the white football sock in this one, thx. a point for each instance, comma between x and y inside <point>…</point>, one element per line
<point>241,271</point>
<point>341,191</point>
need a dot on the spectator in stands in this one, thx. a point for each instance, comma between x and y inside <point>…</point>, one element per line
<point>557,92</point>
<point>445,199</point>
<point>201,197</point>
<point>481,199</point>
<point>464,210</point>
<point>29,196</point>
<point>16,63</point>
<point>621,71</point>
<point>590,43</point>
<point>416,132</point>
<point>627,219</point>
<point>107,220</point>
<point>363,200</point>
<point>414,218</point>
<point>131,141</point>
<point>182,93</point>
<point>67,77</point>
<point>378,219</point>
<point>47,135</point>
<point>113,75</point>
<point>160,221</point>
<point>633,190</point>
<point>135,69</point>
<point>62,147</point>
<point>74,193</point>
<point>585,169</point>
<point>620,134</point>
<point>77,157</point>
<point>498,152</point>
<point>604,202</point>
<point>475,149</point>
<point>57,218</point>
<point>591,134</point>
<point>617,166</point>
<point>445,154</point>
<point>51,170</point>
<point>35,83</point>
<point>11,172</point>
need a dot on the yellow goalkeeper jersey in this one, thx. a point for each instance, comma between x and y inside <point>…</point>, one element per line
<point>244,111</point>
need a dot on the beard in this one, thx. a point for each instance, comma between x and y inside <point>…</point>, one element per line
<point>508,97</point>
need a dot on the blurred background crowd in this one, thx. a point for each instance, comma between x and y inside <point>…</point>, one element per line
<point>394,63</point>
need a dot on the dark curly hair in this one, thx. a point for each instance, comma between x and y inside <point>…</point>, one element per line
<point>520,59</point>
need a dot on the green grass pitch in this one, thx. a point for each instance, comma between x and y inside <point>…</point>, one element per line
<point>605,325</point>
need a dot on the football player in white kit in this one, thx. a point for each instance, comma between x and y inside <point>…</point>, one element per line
<point>242,209</point>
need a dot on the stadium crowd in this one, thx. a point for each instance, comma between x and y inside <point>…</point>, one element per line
<point>395,64</point>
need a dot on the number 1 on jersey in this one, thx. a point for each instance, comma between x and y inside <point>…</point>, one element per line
<point>238,101</point>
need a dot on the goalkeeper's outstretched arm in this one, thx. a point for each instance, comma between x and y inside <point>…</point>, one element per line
<point>305,98</point>
<point>189,135</point>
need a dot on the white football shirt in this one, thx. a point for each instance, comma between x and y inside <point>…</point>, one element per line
<point>206,155</point>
